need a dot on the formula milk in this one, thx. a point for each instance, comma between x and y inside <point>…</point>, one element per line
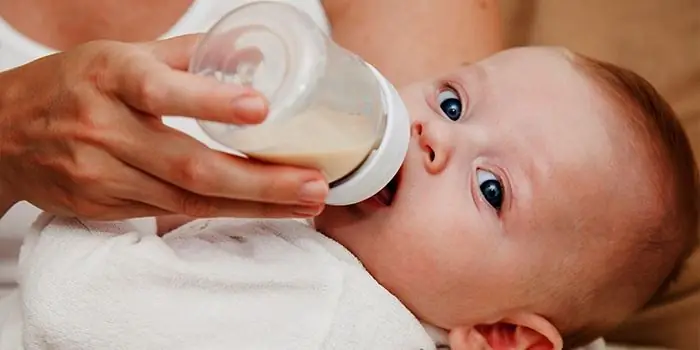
<point>334,142</point>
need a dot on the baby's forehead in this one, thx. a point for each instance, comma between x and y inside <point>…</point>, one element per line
<point>526,61</point>
<point>540,90</point>
<point>534,54</point>
<point>535,79</point>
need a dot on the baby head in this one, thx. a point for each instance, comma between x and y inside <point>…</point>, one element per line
<point>545,197</point>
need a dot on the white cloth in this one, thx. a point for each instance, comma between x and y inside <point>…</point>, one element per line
<point>16,49</point>
<point>210,284</point>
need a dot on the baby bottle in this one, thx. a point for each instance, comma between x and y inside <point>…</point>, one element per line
<point>328,110</point>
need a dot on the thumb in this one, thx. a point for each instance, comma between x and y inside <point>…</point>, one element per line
<point>177,51</point>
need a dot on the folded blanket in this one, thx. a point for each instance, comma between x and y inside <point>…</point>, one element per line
<point>211,284</point>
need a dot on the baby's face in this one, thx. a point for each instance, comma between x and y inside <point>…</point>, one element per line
<point>507,156</point>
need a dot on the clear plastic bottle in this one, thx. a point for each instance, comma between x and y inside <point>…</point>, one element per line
<point>329,109</point>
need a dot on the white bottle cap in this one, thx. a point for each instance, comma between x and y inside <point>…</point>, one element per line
<point>384,162</point>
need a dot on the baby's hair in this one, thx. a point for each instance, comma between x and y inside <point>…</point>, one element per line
<point>652,120</point>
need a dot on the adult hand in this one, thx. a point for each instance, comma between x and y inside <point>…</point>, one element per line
<point>81,134</point>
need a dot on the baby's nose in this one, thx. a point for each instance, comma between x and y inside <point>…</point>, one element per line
<point>435,145</point>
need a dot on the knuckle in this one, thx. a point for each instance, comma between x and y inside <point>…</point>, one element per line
<point>88,128</point>
<point>90,124</point>
<point>97,133</point>
<point>194,175</point>
<point>85,175</point>
<point>98,65</point>
<point>150,92</point>
<point>84,178</point>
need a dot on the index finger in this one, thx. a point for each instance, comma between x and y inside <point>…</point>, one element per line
<point>154,88</point>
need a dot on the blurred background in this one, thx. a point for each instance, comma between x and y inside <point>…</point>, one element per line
<point>660,40</point>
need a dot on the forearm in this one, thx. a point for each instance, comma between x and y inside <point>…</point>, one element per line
<point>417,39</point>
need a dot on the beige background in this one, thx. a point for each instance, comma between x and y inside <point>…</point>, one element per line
<point>659,39</point>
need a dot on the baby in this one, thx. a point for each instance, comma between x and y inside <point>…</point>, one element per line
<point>545,197</point>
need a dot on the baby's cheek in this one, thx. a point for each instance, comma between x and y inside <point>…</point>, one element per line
<point>425,247</point>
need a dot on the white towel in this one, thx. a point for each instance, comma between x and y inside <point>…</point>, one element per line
<point>211,284</point>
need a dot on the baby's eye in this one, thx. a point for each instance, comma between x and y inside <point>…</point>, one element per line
<point>491,188</point>
<point>450,103</point>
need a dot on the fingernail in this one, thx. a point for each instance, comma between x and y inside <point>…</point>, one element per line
<point>252,108</point>
<point>308,211</point>
<point>313,191</point>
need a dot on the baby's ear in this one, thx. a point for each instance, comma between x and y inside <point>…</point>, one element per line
<point>522,332</point>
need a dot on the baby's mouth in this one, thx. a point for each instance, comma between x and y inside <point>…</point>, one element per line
<point>386,196</point>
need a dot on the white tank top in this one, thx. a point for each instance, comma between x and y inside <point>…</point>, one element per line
<point>16,49</point>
